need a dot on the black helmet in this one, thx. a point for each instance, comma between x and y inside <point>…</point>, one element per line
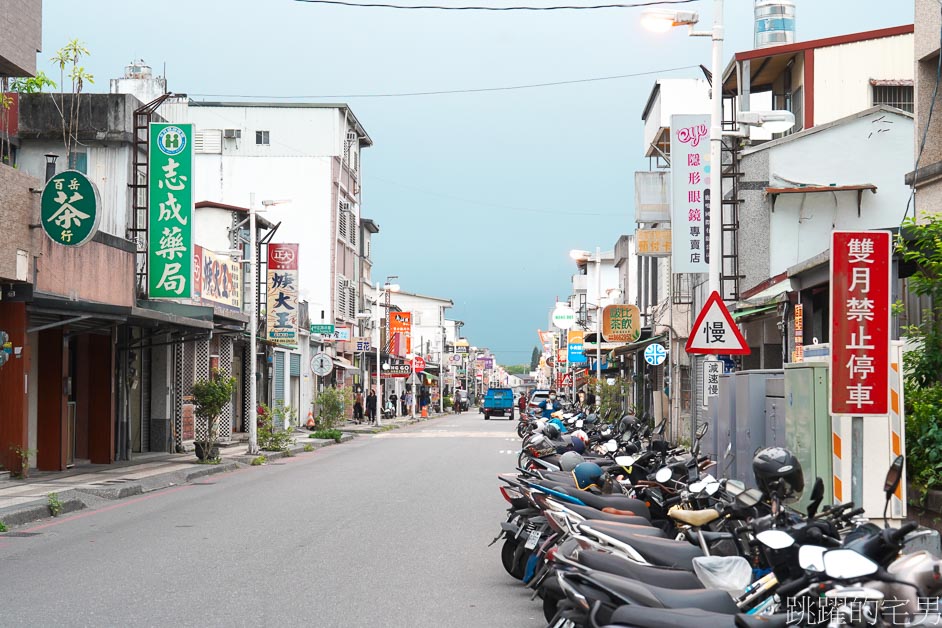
<point>551,432</point>
<point>777,470</point>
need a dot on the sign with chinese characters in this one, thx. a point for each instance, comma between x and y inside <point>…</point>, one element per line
<point>653,242</point>
<point>216,279</point>
<point>323,330</point>
<point>563,316</point>
<point>418,364</point>
<point>621,323</point>
<point>652,196</point>
<point>396,370</point>
<point>486,363</point>
<point>690,193</point>
<point>170,222</point>
<point>798,355</point>
<point>362,344</point>
<point>562,356</point>
<point>712,369</point>
<point>340,334</point>
<point>715,332</point>
<point>575,349</point>
<point>860,322</point>
<point>70,208</point>
<point>459,349</point>
<point>282,310</point>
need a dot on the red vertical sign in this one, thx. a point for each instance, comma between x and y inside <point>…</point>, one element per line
<point>860,322</point>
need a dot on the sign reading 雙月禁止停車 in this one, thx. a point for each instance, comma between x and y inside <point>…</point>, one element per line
<point>860,322</point>
<point>70,208</point>
<point>170,220</point>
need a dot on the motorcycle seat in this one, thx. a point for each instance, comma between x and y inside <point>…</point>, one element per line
<point>599,515</point>
<point>598,502</point>
<point>659,597</point>
<point>694,518</point>
<point>657,551</point>
<point>640,617</point>
<point>658,576</point>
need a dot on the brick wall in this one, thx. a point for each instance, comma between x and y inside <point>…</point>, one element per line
<point>19,208</point>
<point>21,25</point>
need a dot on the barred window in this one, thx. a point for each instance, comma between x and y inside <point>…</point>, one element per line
<point>897,94</point>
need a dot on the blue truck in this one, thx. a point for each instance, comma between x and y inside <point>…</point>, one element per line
<point>498,402</point>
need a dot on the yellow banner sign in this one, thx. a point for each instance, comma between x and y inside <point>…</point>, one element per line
<point>653,242</point>
<point>621,323</point>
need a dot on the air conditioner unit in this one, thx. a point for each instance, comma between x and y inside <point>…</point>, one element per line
<point>232,134</point>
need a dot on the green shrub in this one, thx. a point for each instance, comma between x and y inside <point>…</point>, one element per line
<point>3,527</point>
<point>331,404</point>
<point>335,435</point>
<point>271,435</point>
<point>258,461</point>
<point>924,435</point>
<point>210,397</point>
<point>55,506</point>
<point>309,447</point>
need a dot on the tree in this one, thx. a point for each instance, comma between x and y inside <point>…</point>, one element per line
<point>210,397</point>
<point>69,56</point>
<point>518,369</point>
<point>535,358</point>
<point>920,244</point>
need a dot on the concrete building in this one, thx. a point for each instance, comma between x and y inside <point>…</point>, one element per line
<point>927,177</point>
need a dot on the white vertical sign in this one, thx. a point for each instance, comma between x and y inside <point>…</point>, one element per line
<point>712,369</point>
<point>690,193</point>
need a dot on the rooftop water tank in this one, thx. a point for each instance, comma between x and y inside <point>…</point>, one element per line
<point>775,23</point>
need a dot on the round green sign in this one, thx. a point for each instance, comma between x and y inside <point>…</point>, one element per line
<point>71,208</point>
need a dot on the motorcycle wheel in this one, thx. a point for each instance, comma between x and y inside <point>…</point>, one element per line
<point>507,552</point>
<point>520,429</point>
<point>550,602</point>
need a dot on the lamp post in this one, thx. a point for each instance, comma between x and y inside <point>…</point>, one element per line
<point>380,294</point>
<point>578,254</point>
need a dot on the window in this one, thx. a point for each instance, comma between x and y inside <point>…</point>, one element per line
<point>352,302</point>
<point>343,286</point>
<point>343,220</point>
<point>261,138</point>
<point>897,94</point>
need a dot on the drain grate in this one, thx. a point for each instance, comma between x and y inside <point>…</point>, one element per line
<point>203,483</point>
<point>20,535</point>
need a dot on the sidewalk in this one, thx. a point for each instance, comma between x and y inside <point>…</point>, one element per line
<point>92,485</point>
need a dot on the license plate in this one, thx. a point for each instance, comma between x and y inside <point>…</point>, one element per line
<point>532,540</point>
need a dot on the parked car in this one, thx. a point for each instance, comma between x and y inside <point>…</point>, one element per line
<point>498,402</point>
<point>539,395</point>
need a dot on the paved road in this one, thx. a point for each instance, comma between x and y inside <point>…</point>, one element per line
<point>390,530</point>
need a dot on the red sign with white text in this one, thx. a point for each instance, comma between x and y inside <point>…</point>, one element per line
<point>860,322</point>
<point>418,364</point>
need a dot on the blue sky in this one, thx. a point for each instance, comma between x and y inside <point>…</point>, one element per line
<point>479,197</point>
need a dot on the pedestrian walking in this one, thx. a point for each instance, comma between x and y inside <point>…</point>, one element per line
<point>456,403</point>
<point>406,403</point>
<point>393,398</point>
<point>358,407</point>
<point>371,406</point>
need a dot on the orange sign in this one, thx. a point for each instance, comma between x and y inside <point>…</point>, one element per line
<point>621,323</point>
<point>400,323</point>
<point>653,242</point>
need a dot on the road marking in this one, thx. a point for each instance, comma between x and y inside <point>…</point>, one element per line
<point>442,434</point>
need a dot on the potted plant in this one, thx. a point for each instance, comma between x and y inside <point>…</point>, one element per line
<point>210,397</point>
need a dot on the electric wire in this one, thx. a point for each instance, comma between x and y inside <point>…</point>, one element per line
<point>426,7</point>
<point>471,90</point>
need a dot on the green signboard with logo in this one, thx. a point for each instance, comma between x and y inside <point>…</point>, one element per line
<point>170,224</point>
<point>70,208</point>
<point>323,330</point>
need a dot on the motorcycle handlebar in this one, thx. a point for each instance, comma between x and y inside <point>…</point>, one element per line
<point>897,535</point>
<point>790,588</point>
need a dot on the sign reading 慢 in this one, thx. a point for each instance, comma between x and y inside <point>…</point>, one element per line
<point>621,323</point>
<point>170,222</point>
<point>690,193</point>
<point>860,322</point>
<point>70,208</point>
<point>282,310</point>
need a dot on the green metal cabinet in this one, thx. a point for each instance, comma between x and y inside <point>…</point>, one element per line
<point>808,424</point>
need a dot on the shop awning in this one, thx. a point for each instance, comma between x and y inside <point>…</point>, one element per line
<point>633,347</point>
<point>753,310</point>
<point>344,363</point>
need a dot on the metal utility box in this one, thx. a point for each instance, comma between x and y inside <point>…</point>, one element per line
<point>708,443</point>
<point>775,411</point>
<point>750,422</point>
<point>726,424</point>
<point>808,424</point>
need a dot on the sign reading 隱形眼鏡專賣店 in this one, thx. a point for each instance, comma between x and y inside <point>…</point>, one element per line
<point>282,318</point>
<point>621,323</point>
<point>690,193</point>
<point>170,219</point>
<point>70,208</point>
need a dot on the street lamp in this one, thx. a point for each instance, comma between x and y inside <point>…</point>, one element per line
<point>578,254</point>
<point>662,20</point>
<point>380,294</point>
<point>252,261</point>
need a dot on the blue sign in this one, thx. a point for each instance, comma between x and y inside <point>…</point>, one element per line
<point>575,352</point>
<point>655,354</point>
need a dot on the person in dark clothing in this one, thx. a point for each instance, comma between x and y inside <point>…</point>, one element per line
<point>371,406</point>
<point>358,407</point>
<point>393,398</point>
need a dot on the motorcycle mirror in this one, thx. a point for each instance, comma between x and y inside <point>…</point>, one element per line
<point>848,564</point>
<point>580,423</point>
<point>749,498</point>
<point>664,474</point>
<point>624,461</point>
<point>611,446</point>
<point>660,446</point>
<point>817,494</point>
<point>696,487</point>
<point>712,487</point>
<point>729,450</point>
<point>661,427</point>
<point>702,430</point>
<point>893,476</point>
<point>811,557</point>
<point>775,539</point>
<point>734,487</point>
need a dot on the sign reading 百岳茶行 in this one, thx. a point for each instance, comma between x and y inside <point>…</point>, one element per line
<point>170,221</point>
<point>70,208</point>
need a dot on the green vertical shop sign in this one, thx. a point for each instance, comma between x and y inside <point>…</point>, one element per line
<point>70,208</point>
<point>170,224</point>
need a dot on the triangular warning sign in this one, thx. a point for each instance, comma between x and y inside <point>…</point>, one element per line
<point>715,332</point>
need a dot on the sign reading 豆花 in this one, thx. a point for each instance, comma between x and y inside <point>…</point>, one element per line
<point>70,208</point>
<point>655,354</point>
<point>170,213</point>
<point>563,316</point>
<point>362,344</point>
